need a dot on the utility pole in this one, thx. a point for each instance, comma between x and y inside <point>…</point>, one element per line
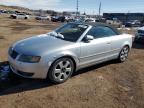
<point>77,7</point>
<point>99,10</point>
<point>127,14</point>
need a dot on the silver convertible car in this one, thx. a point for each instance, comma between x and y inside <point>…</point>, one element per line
<point>56,55</point>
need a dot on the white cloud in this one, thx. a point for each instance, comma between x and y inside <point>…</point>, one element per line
<point>33,4</point>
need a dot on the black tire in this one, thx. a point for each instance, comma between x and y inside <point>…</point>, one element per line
<point>58,74</point>
<point>25,18</point>
<point>14,17</point>
<point>123,54</point>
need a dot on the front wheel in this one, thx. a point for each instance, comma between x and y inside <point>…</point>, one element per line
<point>123,54</point>
<point>61,70</point>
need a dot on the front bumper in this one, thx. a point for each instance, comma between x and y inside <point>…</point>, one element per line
<point>28,70</point>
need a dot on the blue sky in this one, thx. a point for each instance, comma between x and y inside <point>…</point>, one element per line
<point>89,6</point>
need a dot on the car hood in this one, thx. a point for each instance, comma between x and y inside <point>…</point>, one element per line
<point>39,45</point>
<point>141,28</point>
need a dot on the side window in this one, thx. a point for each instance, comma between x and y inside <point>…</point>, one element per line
<point>101,31</point>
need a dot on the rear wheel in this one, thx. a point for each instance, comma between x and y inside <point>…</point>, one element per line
<point>61,70</point>
<point>124,54</point>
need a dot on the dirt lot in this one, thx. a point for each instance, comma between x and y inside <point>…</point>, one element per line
<point>108,85</point>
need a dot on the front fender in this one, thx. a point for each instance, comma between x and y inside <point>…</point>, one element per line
<point>49,60</point>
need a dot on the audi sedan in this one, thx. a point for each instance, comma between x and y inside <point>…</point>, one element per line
<point>56,55</point>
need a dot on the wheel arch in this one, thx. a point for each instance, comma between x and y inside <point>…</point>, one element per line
<point>72,57</point>
<point>119,57</point>
<point>65,56</point>
<point>127,44</point>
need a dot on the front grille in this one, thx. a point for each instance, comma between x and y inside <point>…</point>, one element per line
<point>13,54</point>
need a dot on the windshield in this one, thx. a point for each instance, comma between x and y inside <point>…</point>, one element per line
<point>71,32</point>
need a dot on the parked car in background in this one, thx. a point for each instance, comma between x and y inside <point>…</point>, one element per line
<point>56,55</point>
<point>54,18</point>
<point>78,20</point>
<point>69,18</point>
<point>26,13</point>
<point>140,35</point>
<point>58,18</point>
<point>10,12</point>
<point>19,16</point>
<point>2,11</point>
<point>43,18</point>
<point>114,23</point>
<point>142,23</point>
<point>133,23</point>
<point>90,20</point>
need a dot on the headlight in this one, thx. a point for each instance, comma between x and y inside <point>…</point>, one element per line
<point>29,59</point>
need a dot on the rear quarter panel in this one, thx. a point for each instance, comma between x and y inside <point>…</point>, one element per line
<point>118,42</point>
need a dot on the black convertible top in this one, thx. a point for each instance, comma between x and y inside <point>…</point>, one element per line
<point>100,24</point>
<point>103,24</point>
<point>95,24</point>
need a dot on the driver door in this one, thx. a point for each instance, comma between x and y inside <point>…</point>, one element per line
<point>96,50</point>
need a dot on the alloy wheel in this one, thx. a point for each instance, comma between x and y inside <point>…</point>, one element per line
<point>63,70</point>
<point>124,53</point>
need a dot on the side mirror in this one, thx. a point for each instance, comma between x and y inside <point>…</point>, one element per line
<point>88,38</point>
